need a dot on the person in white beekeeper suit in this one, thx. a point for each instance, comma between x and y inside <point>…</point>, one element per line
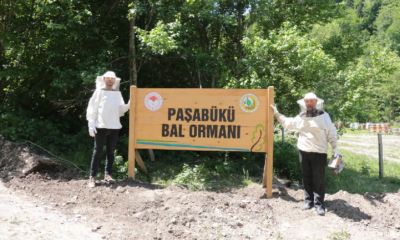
<point>315,131</point>
<point>105,108</point>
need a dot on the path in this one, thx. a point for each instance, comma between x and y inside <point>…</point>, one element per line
<point>23,219</point>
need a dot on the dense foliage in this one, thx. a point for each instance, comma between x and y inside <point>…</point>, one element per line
<point>365,44</point>
<point>51,52</point>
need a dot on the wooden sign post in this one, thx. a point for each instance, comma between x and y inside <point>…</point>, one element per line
<point>202,119</point>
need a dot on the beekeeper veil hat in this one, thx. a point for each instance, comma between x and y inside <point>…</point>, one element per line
<point>310,95</point>
<point>100,84</point>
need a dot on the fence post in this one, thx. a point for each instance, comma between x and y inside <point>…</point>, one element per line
<point>380,155</point>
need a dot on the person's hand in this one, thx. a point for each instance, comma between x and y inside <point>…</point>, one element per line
<point>92,130</point>
<point>336,151</point>
<point>274,108</point>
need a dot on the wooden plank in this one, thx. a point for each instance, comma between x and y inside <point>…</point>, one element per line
<point>264,181</point>
<point>132,127</point>
<point>270,142</point>
<point>171,123</point>
<point>140,162</point>
<point>151,155</point>
<point>380,155</point>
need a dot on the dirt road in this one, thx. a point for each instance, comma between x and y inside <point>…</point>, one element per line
<point>57,204</point>
<point>26,218</point>
<point>58,209</point>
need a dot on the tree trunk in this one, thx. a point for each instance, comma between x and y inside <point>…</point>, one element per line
<point>132,47</point>
<point>239,39</point>
<point>199,76</point>
<point>2,80</point>
<point>133,71</point>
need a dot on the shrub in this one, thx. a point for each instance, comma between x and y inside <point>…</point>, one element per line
<point>286,161</point>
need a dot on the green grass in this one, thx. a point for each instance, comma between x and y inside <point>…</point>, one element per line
<point>361,175</point>
<point>16,221</point>
<point>220,170</point>
<point>362,132</point>
<point>357,132</point>
<point>395,125</point>
<point>195,176</point>
<point>339,235</point>
<point>369,143</point>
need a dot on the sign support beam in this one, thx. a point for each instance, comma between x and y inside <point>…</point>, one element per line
<point>268,173</point>
<point>132,141</point>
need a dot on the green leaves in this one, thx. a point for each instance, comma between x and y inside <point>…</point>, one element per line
<point>369,72</point>
<point>51,52</point>
<point>161,39</point>
<point>286,161</point>
<point>287,60</point>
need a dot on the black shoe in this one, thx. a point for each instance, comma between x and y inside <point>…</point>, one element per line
<point>307,205</point>
<point>320,210</point>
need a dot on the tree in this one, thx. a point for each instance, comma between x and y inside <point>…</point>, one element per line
<point>272,15</point>
<point>362,82</point>
<point>53,52</point>
<point>286,60</point>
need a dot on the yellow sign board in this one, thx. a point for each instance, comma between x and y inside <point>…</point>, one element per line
<point>201,119</point>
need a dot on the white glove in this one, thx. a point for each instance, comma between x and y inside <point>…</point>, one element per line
<point>275,110</point>
<point>92,130</point>
<point>336,151</point>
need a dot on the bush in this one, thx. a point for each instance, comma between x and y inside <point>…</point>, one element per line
<point>60,135</point>
<point>120,167</point>
<point>194,178</point>
<point>286,161</point>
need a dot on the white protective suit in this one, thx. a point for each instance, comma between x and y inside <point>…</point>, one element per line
<point>314,132</point>
<point>106,106</point>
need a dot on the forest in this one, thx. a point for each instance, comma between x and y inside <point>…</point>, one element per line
<point>51,51</point>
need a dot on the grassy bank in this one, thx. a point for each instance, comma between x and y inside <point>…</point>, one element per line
<point>222,170</point>
<point>204,173</point>
<point>361,175</point>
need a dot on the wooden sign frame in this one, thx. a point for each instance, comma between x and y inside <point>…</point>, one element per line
<point>168,106</point>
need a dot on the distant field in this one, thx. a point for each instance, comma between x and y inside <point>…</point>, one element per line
<point>361,172</point>
<point>363,142</point>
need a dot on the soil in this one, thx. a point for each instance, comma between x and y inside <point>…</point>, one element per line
<point>54,202</point>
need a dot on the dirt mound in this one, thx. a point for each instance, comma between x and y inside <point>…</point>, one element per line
<point>18,159</point>
<point>134,210</point>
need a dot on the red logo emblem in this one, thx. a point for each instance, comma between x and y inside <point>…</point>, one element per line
<point>153,101</point>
